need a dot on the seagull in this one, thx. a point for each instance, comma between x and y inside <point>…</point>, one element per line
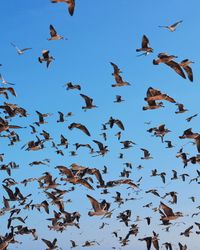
<point>181,108</point>
<point>168,60</point>
<point>88,102</point>
<point>100,208</point>
<point>69,85</point>
<point>185,65</point>
<point>172,27</point>
<point>51,245</point>
<point>146,154</point>
<point>79,126</point>
<point>20,51</point>
<point>46,58</point>
<point>53,34</point>
<point>145,46</point>
<point>71,5</point>
<point>191,117</point>
<point>3,81</point>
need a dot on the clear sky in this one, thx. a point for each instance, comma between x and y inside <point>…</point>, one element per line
<point>100,32</point>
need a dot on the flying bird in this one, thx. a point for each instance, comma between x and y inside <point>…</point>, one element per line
<point>53,34</point>
<point>71,5</point>
<point>145,46</point>
<point>79,126</point>
<point>20,51</point>
<point>168,60</point>
<point>185,65</point>
<point>88,102</point>
<point>46,58</point>
<point>172,27</point>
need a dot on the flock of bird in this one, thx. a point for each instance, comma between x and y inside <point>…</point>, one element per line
<point>79,177</point>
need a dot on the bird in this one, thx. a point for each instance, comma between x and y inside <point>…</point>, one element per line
<point>181,108</point>
<point>185,65</point>
<point>118,99</point>
<point>172,27</point>
<point>3,81</point>
<point>102,149</point>
<point>71,5</point>
<point>53,34</point>
<point>187,231</point>
<point>69,85</point>
<point>79,126</point>
<point>100,208</point>
<point>155,94</point>
<point>118,122</point>
<point>168,60</point>
<point>88,102</point>
<point>188,119</point>
<point>127,144</point>
<point>168,213</point>
<point>20,51</point>
<point>46,58</point>
<point>145,46</point>
<point>147,155</point>
<point>51,245</point>
<point>120,82</point>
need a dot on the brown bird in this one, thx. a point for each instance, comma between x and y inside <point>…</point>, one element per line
<point>117,71</point>
<point>168,60</point>
<point>155,94</point>
<point>120,82</point>
<point>46,58</point>
<point>102,149</point>
<point>88,102</point>
<point>168,213</point>
<point>69,85</point>
<point>187,232</point>
<point>53,34</point>
<point>147,155</point>
<point>185,65</point>
<point>189,134</point>
<point>118,122</point>
<point>51,245</point>
<point>181,108</point>
<point>191,117</point>
<point>71,5</point>
<point>100,208</point>
<point>79,126</point>
<point>118,99</point>
<point>172,27</point>
<point>145,46</point>
<point>182,247</point>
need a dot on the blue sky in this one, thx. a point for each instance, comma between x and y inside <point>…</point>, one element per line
<point>101,32</point>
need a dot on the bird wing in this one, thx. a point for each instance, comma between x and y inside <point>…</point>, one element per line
<point>188,70</point>
<point>47,242</point>
<point>119,124</point>
<point>167,210</point>
<point>115,67</point>
<point>145,41</point>
<point>95,204</point>
<point>100,144</point>
<point>52,31</point>
<point>176,23</point>
<point>85,183</point>
<point>176,67</point>
<point>66,171</point>
<point>87,99</point>
<point>9,192</point>
<point>71,6</point>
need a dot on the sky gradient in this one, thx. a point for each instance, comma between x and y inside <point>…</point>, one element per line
<point>98,33</point>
